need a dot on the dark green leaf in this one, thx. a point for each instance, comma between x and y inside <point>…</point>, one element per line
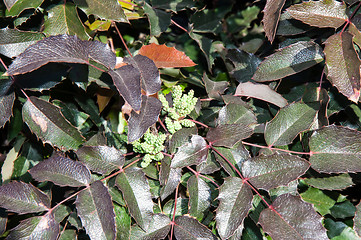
<point>289,122</point>
<point>105,9</point>
<point>62,171</point>
<point>357,219</point>
<point>214,89</point>
<point>123,222</point>
<point>180,138</point>
<point>169,177</point>
<point>284,169</point>
<point>335,149</point>
<point>206,47</point>
<point>199,197</point>
<point>339,230</point>
<point>20,5</point>
<point>182,207</point>
<point>175,5</point>
<point>292,218</point>
<point>289,60</point>
<point>339,182</point>
<point>46,121</point>
<point>207,20</point>
<point>96,212</point>
<point>101,159</point>
<point>68,234</point>
<point>136,191</point>
<point>321,201</point>
<point>343,210</point>
<point>23,198</point>
<point>289,26</point>
<point>191,153</point>
<point>158,228</point>
<point>272,12</point>
<point>235,198</point>
<point>187,228</point>
<point>139,123</point>
<point>228,134</point>
<point>245,64</point>
<point>42,227</point>
<point>158,20</point>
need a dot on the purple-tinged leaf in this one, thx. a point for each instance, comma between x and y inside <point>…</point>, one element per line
<point>335,149</point>
<point>95,209</point>
<point>262,92</point>
<point>9,3</point>
<point>229,134</point>
<point>23,198</point>
<point>272,12</point>
<point>105,9</point>
<point>19,6</point>
<point>199,197</point>
<point>284,169</point>
<point>181,137</point>
<point>289,26</point>
<point>6,104</point>
<point>292,218</point>
<point>235,201</point>
<point>169,178</point>
<point>13,41</point>
<point>42,227</point>
<point>136,192</point>
<point>289,60</point>
<point>357,219</point>
<point>209,166</point>
<point>158,228</point>
<point>138,124</point>
<point>101,159</point>
<point>214,89</point>
<point>3,220</point>
<point>289,122</point>
<point>191,153</point>
<point>188,228</point>
<point>149,73</point>
<point>323,13</point>
<point>47,122</point>
<point>61,171</point>
<point>339,51</point>
<point>61,48</point>
<point>338,182</point>
<point>245,64</point>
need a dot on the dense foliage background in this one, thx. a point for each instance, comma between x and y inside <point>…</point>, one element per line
<point>180,119</point>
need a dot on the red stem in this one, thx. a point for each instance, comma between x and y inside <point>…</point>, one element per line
<point>348,21</point>
<point>179,26</point>
<point>175,208</point>
<point>277,149</point>
<point>121,38</point>
<point>199,123</point>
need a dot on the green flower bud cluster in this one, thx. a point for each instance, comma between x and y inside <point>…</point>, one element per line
<point>151,145</point>
<point>183,104</point>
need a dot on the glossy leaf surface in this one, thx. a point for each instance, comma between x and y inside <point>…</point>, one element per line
<point>96,212</point>
<point>236,112</point>
<point>199,197</point>
<point>19,6</point>
<point>188,228</point>
<point>62,171</point>
<point>245,64</point>
<point>272,12</point>
<point>214,89</point>
<point>158,229</point>
<point>23,198</point>
<point>6,103</point>
<point>338,182</point>
<point>229,134</point>
<point>169,178</point>
<point>289,60</point>
<point>295,219</point>
<point>47,122</point>
<point>105,9</point>
<point>158,20</point>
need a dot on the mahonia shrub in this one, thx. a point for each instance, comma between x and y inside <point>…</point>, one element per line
<point>180,119</point>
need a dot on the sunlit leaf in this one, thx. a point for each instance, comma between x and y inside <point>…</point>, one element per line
<point>13,41</point>
<point>158,228</point>
<point>189,228</point>
<point>169,178</point>
<point>46,121</point>
<point>228,134</point>
<point>123,222</point>
<point>191,153</point>
<point>262,92</point>
<point>320,200</point>
<point>101,159</point>
<point>62,171</point>
<point>105,9</point>
<point>284,169</point>
<point>6,104</point>
<point>64,19</point>
<point>209,166</point>
<point>158,20</point>
<point>292,218</point>
<point>357,219</point>
<point>235,198</point>
<point>181,137</point>
<point>199,197</point>
<point>95,209</point>
<point>335,149</point>
<point>289,122</point>
<point>339,51</point>
<point>61,48</point>
<point>214,89</point>
<point>42,227</point>
<point>149,74</point>
<point>245,64</point>
<point>136,192</point>
<point>19,6</point>
<point>139,123</point>
<point>338,182</point>
<point>127,81</point>
<point>166,57</point>
<point>23,198</point>
<point>272,12</point>
<point>323,13</point>
<point>67,234</point>
<point>289,60</point>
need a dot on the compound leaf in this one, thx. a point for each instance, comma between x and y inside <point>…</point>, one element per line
<point>235,201</point>
<point>272,12</point>
<point>138,124</point>
<point>188,228</point>
<point>284,169</point>
<point>289,122</point>
<point>62,171</point>
<point>23,198</point>
<point>339,51</point>
<point>105,9</point>
<point>47,122</point>
<point>292,218</point>
<point>289,60</point>
<point>335,149</point>
<point>324,13</point>
<point>228,134</point>
<point>136,192</point>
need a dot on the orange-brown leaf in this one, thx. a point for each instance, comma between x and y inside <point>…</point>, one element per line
<point>166,57</point>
